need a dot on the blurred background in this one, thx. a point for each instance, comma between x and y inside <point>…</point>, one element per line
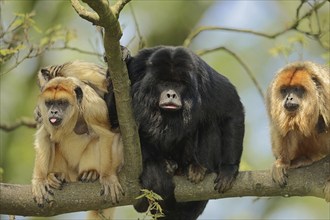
<point>57,34</point>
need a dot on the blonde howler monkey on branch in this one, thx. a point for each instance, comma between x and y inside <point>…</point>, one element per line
<point>74,141</point>
<point>298,102</point>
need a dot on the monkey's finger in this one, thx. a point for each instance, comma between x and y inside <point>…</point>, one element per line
<point>82,177</point>
<point>95,176</point>
<point>89,176</point>
<point>114,196</point>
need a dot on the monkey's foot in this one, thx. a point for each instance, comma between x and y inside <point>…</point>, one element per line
<point>56,180</point>
<point>327,191</point>
<point>88,176</point>
<point>171,166</point>
<point>196,173</point>
<point>41,191</point>
<point>279,173</point>
<point>111,186</point>
<point>226,177</point>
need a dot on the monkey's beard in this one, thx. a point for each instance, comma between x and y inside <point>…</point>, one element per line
<point>304,119</point>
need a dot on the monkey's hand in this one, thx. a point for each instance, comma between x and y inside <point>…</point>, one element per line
<point>56,180</point>
<point>196,173</point>
<point>279,173</point>
<point>41,191</point>
<point>88,176</point>
<point>226,176</point>
<point>110,185</point>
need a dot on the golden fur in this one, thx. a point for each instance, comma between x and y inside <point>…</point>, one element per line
<point>301,137</point>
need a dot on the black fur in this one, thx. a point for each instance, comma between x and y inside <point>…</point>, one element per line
<point>79,94</point>
<point>206,133</point>
<point>111,103</point>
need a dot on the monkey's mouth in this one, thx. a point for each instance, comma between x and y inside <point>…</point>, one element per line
<point>170,106</point>
<point>55,121</point>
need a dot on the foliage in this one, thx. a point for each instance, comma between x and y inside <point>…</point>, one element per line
<point>24,39</point>
<point>154,210</point>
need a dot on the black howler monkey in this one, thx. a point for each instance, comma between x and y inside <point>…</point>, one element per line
<point>189,116</point>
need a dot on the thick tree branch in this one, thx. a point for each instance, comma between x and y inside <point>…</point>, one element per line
<point>307,181</point>
<point>121,84</point>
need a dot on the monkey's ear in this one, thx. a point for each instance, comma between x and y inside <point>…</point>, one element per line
<point>79,94</point>
<point>81,126</point>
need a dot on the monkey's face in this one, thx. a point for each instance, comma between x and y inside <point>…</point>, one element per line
<point>170,97</point>
<point>56,110</point>
<point>292,96</point>
<point>59,103</point>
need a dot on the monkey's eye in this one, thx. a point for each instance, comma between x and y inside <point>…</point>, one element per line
<point>299,91</point>
<point>284,91</point>
<point>49,103</point>
<point>62,103</point>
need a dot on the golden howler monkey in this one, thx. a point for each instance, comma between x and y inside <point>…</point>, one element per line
<point>298,103</point>
<point>74,141</point>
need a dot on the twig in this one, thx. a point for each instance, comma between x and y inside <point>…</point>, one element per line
<point>83,13</point>
<point>77,50</point>
<point>28,122</point>
<point>39,51</point>
<point>294,26</point>
<point>246,68</point>
<point>116,8</point>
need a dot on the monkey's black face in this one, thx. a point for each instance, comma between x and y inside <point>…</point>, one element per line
<point>56,111</point>
<point>292,96</point>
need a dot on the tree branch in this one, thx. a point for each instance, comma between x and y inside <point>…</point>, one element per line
<point>307,181</point>
<point>244,65</point>
<point>29,122</point>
